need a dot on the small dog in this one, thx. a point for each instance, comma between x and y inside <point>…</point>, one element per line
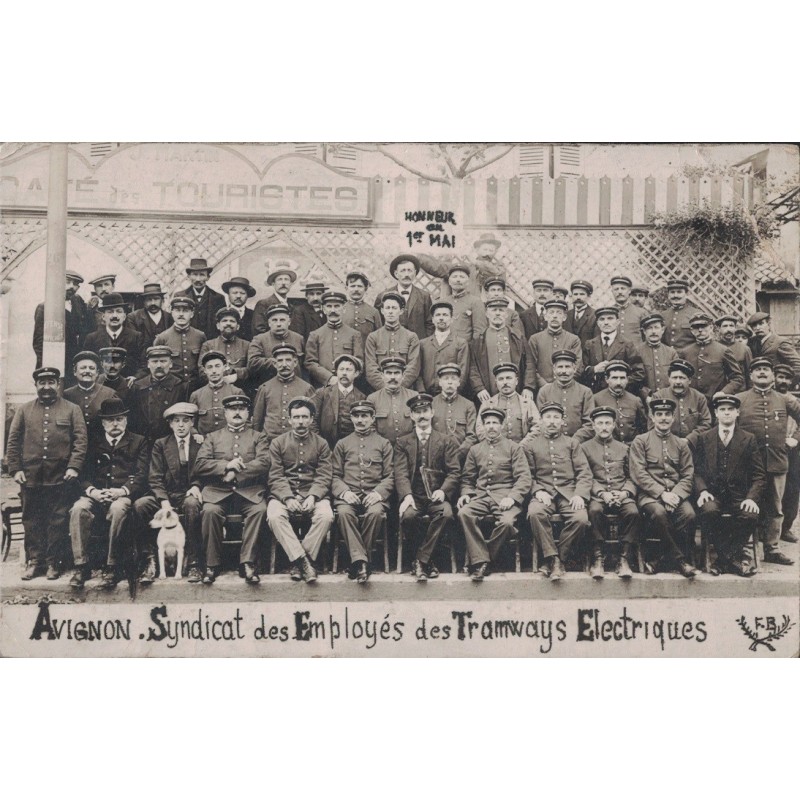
<point>172,535</point>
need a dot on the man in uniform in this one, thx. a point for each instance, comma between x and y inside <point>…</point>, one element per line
<point>426,475</point>
<point>151,320</point>
<point>357,313</point>
<point>151,396</point>
<point>533,319</point>
<point>765,412</point>
<point>727,326</point>
<point>608,346</point>
<point>575,399</point>
<point>281,281</point>
<point>104,285</point>
<point>205,301</point>
<point>661,466</point>
<point>308,315</point>
<point>334,401</point>
<point>453,414</point>
<point>115,333</point>
<point>392,340</point>
<point>184,342</point>
<point>271,410</point>
<point>630,414</point>
<point>239,291</point>
<point>113,477</point>
<point>729,479</point>
<point>715,368</point>
<point>392,417</point>
<point>415,311</point>
<point>232,345</point>
<point>613,491</point>
<point>113,363</point>
<point>468,314</point>
<point>46,451</point>
<point>232,465</point>
<point>562,484</point>
<point>639,295</point>
<point>655,356</point>
<point>542,345</point>
<point>495,288</point>
<point>521,421</point>
<point>443,346</point>
<point>172,486</point>
<point>363,480</point>
<point>630,315</point>
<point>677,317</point>
<point>767,344</point>
<point>325,344</point>
<point>691,415</point>
<point>791,494</point>
<point>581,319</point>
<point>260,361</point>
<point>494,483</point>
<point>208,398</point>
<point>299,484</point>
<point>88,394</point>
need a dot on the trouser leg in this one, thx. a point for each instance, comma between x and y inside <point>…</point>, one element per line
<point>791,494</point>
<point>212,520</point>
<point>744,524</point>
<point>81,517</point>
<point>191,508</point>
<point>351,532</point>
<point>542,528</point>
<point>576,524</point>
<point>117,515</point>
<point>33,501</point>
<point>772,510</point>
<point>144,509</point>
<point>410,525</point>
<point>597,517</point>
<point>321,520</point>
<point>629,522</point>
<point>441,515</point>
<point>470,516</point>
<point>710,521</point>
<point>374,523</point>
<point>254,515</point>
<point>504,526</point>
<point>655,517</point>
<point>282,530</point>
<point>684,522</point>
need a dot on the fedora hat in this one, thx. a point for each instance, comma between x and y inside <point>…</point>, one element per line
<point>486,238</point>
<point>242,282</point>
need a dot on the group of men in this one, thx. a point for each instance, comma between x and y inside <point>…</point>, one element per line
<point>432,416</point>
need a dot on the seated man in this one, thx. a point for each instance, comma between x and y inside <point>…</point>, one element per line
<point>453,414</point>
<point>662,468</point>
<point>521,421</point>
<point>613,491</point>
<point>495,480</point>
<point>333,402</point>
<point>208,398</point>
<point>114,475</point>
<point>575,398</point>
<point>88,393</point>
<point>426,475</point>
<point>172,486</point>
<point>631,418</point>
<point>729,478</point>
<point>562,484</point>
<point>363,480</point>
<point>233,463</point>
<point>299,483</point>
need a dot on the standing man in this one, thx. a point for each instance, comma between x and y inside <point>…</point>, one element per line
<point>115,333</point>
<point>469,317</point>
<point>335,401</point>
<point>639,295</point>
<point>630,414</point>
<point>46,451</point>
<point>729,479</point>
<point>613,492</point>
<point>655,356</point>
<point>88,394</point>
<point>426,474</point>
<point>113,363</point>
<point>415,313</point>
<point>495,481</point>
<point>239,291</point>
<point>791,495</point>
<point>494,289</point>
<point>581,319</point>
<point>260,361</point>
<point>281,281</point>
<point>308,315</point>
<point>363,480</point>
<point>392,341</point>
<point>727,326</point>
<point>104,285</point>
<point>151,320</point>
<point>443,346</point>
<point>184,342</point>
<point>662,468</point>
<point>562,484</point>
<point>357,313</point>
<point>610,346</point>
<point>453,414</point>
<point>231,344</point>
<point>172,487</point>
<point>767,344</point>
<point>487,265</point>
<point>575,399</point>
<point>691,415</point>
<point>541,346</point>
<point>233,463</point>
<point>392,416</point>
<point>206,302</point>
<point>533,319</point>
<point>300,481</point>
<point>208,398</point>
<point>764,412</point>
<point>677,317</point>
<point>521,421</point>
<point>630,315</point>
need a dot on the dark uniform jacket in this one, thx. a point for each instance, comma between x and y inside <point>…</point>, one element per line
<point>118,385</point>
<point>778,350</point>
<point>619,350</point>
<point>89,402</point>
<point>363,463</point>
<point>305,319</point>
<point>656,361</point>
<point>384,343</point>
<point>143,324</point>
<point>299,467</point>
<point>259,355</point>
<point>205,313</point>
<point>661,464</point>
<point>541,346</point>
<point>169,480</point>
<point>577,401</point>
<point>715,369</point>
<point>114,468</point>
<point>678,334</point>
<point>271,407</point>
<point>416,316</point>
<point>454,349</point>
<point>558,466</point>
<point>208,399</point>
<point>245,323</point>
<point>455,418</point>
<point>59,428</point>
<point>766,415</point>
<point>584,328</point>
<point>608,462</point>
<point>442,457</point>
<point>327,402</point>
<point>235,352</point>
<point>363,317</point>
<point>480,372</point>
<point>148,400</point>
<point>128,338</point>
<point>631,413</point>
<point>259,324</point>
<point>185,349</point>
<point>325,345</point>
<point>630,318</point>
<point>392,415</point>
<point>496,470</point>
<point>692,415</point>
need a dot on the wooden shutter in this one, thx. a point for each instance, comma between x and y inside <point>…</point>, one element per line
<point>568,161</point>
<point>533,159</point>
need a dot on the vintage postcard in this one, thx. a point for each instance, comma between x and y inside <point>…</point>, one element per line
<point>355,399</point>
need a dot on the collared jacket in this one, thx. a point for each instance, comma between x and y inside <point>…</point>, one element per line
<point>305,318</point>
<point>541,346</point>
<point>128,338</point>
<point>594,352</point>
<point>656,361</point>
<point>692,415</point>
<point>715,369</point>
<point>326,400</point>
<point>520,412</point>
<point>148,400</point>
<point>480,372</point>
<point>235,352</point>
<point>577,401</point>
<point>260,362</point>
<point>384,343</point>
<point>678,333</point>
<point>259,324</point>
<point>299,467</point>
<point>608,462</point>
<point>558,467</point>
<point>584,328</point>
<point>208,399</point>
<point>392,415</point>
<point>453,350</point>
<point>143,324</point>
<point>89,402</point>
<point>363,463</point>
<point>469,315</point>
<point>480,270</point>
<point>630,318</point>
<point>496,470</point>
<point>766,416</point>
<point>365,318</point>
<point>631,413</point>
<point>77,323</point>
<point>123,466</point>
<point>442,458</point>
<point>271,407</point>
<point>205,313</point>
<point>661,464</point>
<point>778,350</point>
<point>416,316</point>
<point>532,321</point>
<point>455,418</point>
<point>185,347</point>
<point>325,345</point>
<point>167,478</point>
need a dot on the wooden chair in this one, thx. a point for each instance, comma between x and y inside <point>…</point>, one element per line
<point>12,527</point>
<point>705,543</point>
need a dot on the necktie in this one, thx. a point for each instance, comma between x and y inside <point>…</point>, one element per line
<point>606,341</point>
<point>114,443</point>
<point>423,439</point>
<point>182,451</point>
<point>726,437</point>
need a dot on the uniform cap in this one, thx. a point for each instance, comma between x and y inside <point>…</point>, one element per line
<point>761,361</point>
<point>449,368</point>
<point>190,409</point>
<point>227,312</point>
<point>46,372</point>
<point>781,369</point>
<point>157,351</point>
<point>612,310</point>
<point>285,349</point>
<point>183,300</point>
<point>235,400</point>
<point>720,398</point>
<point>210,355</point>
<point>493,412</point>
<point>334,297</point>
<point>459,268</point>
<point>617,364</point>
<point>391,361</point>
<point>564,355</point>
<point>556,304</point>
<point>497,302</point>
<point>353,274</point>
<point>603,411</point>
<point>278,308</point>
<point>494,282</point>
<point>113,352</point>
<point>393,296</point>
<point>505,366</point>
<point>622,279</point>
<point>364,406</point>
<point>678,283</point>
<point>640,288</point>
<point>582,285</point>
<point>421,400</point>
<point>682,365</point>
<point>650,319</point>
<point>700,321</point>
<point>552,407</point>
<point>562,290</point>
<point>662,404</point>
<point>542,282</point>
<point>441,304</point>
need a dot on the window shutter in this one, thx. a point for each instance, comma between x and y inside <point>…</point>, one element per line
<point>313,150</point>
<point>533,159</point>
<point>344,158</point>
<point>568,161</point>
<point>98,150</point>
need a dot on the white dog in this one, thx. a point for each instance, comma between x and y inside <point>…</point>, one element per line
<point>172,535</point>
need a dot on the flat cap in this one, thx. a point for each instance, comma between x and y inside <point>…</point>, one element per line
<point>356,274</point>
<point>640,288</point>
<point>86,355</point>
<point>74,276</point>
<point>726,318</point>
<point>102,279</point>
<point>189,409</point>
<point>493,412</point>
<point>759,316</point>
<point>782,369</point>
<point>354,360</point>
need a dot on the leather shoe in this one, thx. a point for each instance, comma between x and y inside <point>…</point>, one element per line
<point>479,573</point>
<point>362,576</point>
<point>109,578</point>
<point>295,573</point>
<point>78,578</point>
<point>53,572</point>
<point>776,557</point>
<point>195,576</point>
<point>686,569</point>
<point>418,571</point>
<point>211,575</point>
<point>557,571</point>
<point>149,572</point>
<point>308,571</point>
<point>597,570</point>
<point>432,571</point>
<point>624,568</point>
<point>788,536</point>
<point>31,571</point>
<point>250,574</point>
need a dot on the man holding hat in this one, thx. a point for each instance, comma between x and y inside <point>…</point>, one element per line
<point>112,360</point>
<point>521,421</point>
<point>562,483</point>
<point>630,315</point>
<point>727,325</point>
<point>426,475</point>
<point>334,338</point>
<point>271,409</point>
<point>581,318</point>
<point>184,342</point>
<point>114,476</point>
<point>469,316</point>
<point>677,318</point>
<point>334,401</point>
<point>281,280</point>
<point>208,398</point>
<point>88,394</point>
<point>691,415</point>
<point>299,483</point>
<point>206,301</point>
<point>655,355</point>
<point>542,345</point>
<point>791,494</point>
<point>487,264</point>
<point>392,340</point>
<point>363,481</point>
<point>392,415</point>
<point>764,412</point>
<point>232,465</point>
<point>415,311</point>
<point>172,486</point>
<point>357,313</point>
<point>609,346</point>
<point>662,468</point>
<point>443,346</point>
<point>231,344</point>
<point>453,414</point>
<point>152,395</point>
<point>575,398</point>
<point>46,450</point>
<point>715,368</point>
<point>495,288</point>
<point>308,315</point>
<point>115,333</point>
<point>613,491</point>
<point>239,291</point>
<point>152,319</point>
<point>767,344</point>
<point>630,414</point>
<point>729,479</point>
<point>260,360</point>
<point>533,319</point>
<point>494,483</point>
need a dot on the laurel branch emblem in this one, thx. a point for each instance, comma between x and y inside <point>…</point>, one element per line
<point>775,633</point>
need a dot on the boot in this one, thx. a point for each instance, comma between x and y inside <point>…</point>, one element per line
<point>624,567</point>
<point>250,574</point>
<point>557,569</point>
<point>78,578</point>
<point>109,577</point>
<point>686,569</point>
<point>53,572</point>
<point>149,572</point>
<point>30,571</point>
<point>307,569</point>
<point>418,571</point>
<point>597,569</point>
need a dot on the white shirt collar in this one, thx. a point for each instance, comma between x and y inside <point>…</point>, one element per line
<point>347,390</point>
<point>157,316</point>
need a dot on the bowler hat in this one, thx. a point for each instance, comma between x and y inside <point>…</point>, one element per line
<point>112,407</point>
<point>197,265</point>
<point>112,300</point>
<point>486,238</point>
<point>400,259</point>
